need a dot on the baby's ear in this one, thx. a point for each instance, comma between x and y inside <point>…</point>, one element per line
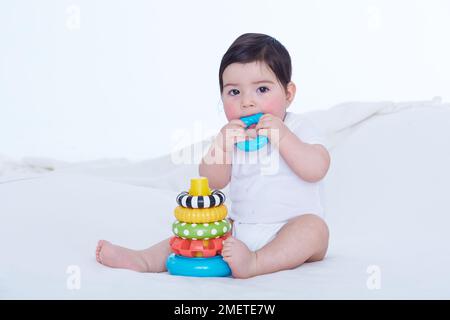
<point>291,89</point>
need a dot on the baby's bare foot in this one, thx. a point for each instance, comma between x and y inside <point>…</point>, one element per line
<point>241,260</point>
<point>114,256</point>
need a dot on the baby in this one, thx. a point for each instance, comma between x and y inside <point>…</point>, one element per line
<point>276,214</point>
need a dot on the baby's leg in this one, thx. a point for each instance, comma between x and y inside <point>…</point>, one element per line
<point>152,259</point>
<point>302,239</point>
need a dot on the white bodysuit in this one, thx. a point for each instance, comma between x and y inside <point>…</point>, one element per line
<point>265,192</point>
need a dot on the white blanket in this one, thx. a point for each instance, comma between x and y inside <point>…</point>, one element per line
<point>386,204</point>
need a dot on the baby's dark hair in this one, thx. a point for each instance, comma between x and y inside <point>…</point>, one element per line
<point>257,47</point>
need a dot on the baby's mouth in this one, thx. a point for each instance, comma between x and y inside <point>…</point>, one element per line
<point>252,126</point>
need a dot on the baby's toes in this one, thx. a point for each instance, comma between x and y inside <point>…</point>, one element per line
<point>100,244</point>
<point>228,241</point>
<point>226,252</point>
<point>227,259</point>
<point>99,249</point>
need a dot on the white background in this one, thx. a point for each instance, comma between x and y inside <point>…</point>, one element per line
<point>82,80</point>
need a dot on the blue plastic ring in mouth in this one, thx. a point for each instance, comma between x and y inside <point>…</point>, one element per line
<point>253,144</point>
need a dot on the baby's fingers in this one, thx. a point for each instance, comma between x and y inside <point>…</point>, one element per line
<point>235,131</point>
<point>237,122</point>
<point>251,133</point>
<point>239,138</point>
<point>264,132</point>
<point>261,125</point>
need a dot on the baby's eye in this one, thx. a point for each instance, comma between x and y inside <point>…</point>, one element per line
<point>263,89</point>
<point>233,92</point>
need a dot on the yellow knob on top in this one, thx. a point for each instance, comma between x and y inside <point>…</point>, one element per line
<point>199,187</point>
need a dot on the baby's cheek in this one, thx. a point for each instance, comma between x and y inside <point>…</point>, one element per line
<point>231,112</point>
<point>274,106</point>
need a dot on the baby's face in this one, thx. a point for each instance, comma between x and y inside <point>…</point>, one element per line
<point>252,88</point>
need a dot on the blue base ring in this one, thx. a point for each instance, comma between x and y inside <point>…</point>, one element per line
<point>197,267</point>
<point>259,141</point>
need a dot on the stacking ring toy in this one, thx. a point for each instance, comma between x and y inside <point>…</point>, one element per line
<point>254,144</point>
<point>216,198</point>
<point>204,231</point>
<point>197,267</point>
<point>200,215</point>
<point>197,248</point>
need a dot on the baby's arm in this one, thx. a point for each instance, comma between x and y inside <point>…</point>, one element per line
<point>216,164</point>
<point>216,167</point>
<point>309,161</point>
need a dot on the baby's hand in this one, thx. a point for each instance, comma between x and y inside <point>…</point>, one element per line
<point>230,134</point>
<point>272,127</point>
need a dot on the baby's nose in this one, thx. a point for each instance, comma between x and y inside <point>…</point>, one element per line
<point>247,101</point>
